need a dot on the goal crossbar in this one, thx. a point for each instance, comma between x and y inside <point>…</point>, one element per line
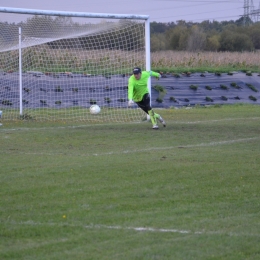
<point>72,14</point>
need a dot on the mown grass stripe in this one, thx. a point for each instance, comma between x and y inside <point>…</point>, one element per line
<point>140,150</point>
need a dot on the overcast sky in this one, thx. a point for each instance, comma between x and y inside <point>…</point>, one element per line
<point>158,10</point>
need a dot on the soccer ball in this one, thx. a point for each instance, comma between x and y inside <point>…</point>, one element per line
<point>94,109</point>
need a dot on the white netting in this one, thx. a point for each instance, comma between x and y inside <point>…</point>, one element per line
<point>69,64</point>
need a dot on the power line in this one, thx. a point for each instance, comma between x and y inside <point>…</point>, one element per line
<point>200,1</point>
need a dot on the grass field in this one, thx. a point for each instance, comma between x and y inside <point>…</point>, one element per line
<point>125,191</point>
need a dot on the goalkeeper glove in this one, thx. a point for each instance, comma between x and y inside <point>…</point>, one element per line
<point>159,76</point>
<point>130,102</point>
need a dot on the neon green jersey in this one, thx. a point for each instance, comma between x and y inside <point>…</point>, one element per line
<point>137,88</point>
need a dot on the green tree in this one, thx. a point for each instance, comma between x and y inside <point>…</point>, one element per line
<point>234,41</point>
<point>35,26</point>
<point>254,33</point>
<point>213,43</point>
<point>197,39</point>
<point>158,27</point>
<point>158,42</point>
<point>177,38</point>
<point>209,26</point>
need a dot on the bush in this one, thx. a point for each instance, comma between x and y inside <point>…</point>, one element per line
<point>58,89</point>
<point>176,75</point>
<point>209,99</point>
<point>252,98</point>
<point>26,117</point>
<point>224,98</point>
<point>107,99</point>
<point>107,88</point>
<point>159,88</point>
<point>7,102</point>
<point>92,102</point>
<point>223,87</point>
<point>162,92</point>
<point>234,85</point>
<point>193,87</point>
<point>173,99</point>
<point>27,90</point>
<point>251,87</point>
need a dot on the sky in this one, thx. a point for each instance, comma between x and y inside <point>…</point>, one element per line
<point>158,10</point>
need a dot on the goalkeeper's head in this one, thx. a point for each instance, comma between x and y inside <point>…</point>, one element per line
<point>137,72</point>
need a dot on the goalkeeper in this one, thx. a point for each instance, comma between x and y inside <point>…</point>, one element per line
<point>138,92</point>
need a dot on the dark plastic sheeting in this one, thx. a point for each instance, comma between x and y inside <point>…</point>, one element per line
<point>179,88</point>
<point>42,87</point>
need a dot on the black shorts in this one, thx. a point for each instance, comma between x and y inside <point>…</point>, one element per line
<point>144,104</point>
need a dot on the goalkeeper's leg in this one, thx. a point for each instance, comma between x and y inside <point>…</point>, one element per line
<point>157,116</point>
<point>153,119</point>
<point>144,104</point>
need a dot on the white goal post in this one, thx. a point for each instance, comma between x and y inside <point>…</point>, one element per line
<point>54,64</point>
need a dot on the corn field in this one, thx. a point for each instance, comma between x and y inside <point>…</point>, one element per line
<point>215,60</point>
<point>46,59</point>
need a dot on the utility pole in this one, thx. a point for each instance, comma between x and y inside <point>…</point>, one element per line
<point>250,13</point>
<point>246,12</point>
<point>256,14</point>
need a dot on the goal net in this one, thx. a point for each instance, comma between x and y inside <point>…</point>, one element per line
<point>55,66</point>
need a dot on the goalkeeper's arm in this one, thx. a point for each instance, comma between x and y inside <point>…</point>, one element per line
<point>155,74</point>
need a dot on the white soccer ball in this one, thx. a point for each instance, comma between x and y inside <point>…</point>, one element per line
<point>94,109</point>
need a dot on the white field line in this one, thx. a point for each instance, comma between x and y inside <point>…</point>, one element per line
<point>137,229</point>
<point>109,124</point>
<point>92,226</point>
<point>180,146</point>
<point>142,150</point>
<point>145,229</point>
<point>217,120</point>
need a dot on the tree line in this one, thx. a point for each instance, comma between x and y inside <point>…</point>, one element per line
<point>205,36</point>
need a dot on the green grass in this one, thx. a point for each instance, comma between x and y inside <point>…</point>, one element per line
<point>82,192</point>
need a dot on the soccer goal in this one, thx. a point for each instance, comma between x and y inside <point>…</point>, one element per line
<point>55,65</point>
